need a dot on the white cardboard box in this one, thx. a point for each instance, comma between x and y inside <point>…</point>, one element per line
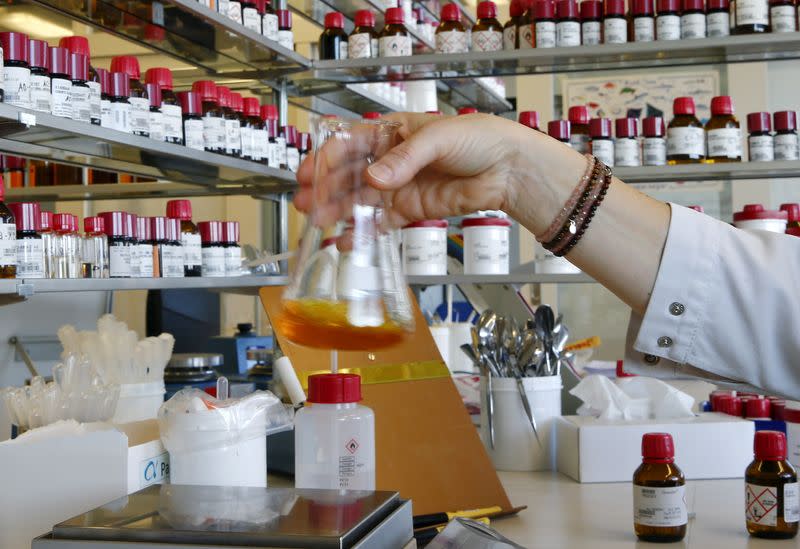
<point>707,446</point>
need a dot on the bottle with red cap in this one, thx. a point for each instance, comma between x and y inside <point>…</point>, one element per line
<point>252,123</point>
<point>559,130</point>
<point>16,71</point>
<point>189,236</point>
<point>275,141</point>
<point>591,22</point>
<point>693,19</point>
<point>303,145</point>
<point>626,147</point>
<point>14,170</point>
<point>685,134</point>
<point>333,40</point>
<point>104,77</point>
<point>166,236</point>
<point>525,35</point>
<point>467,110</point>
<point>94,249</point>
<point>156,121</point>
<point>578,117</point>
<point>252,14</point>
<point>615,25</point>
<point>30,248</point>
<point>213,121</point>
<point>786,144</point>
<point>192,108</point>
<point>723,133</point>
<point>363,41</point>
<point>212,249</point>
<point>38,51</point>
<point>47,234</point>
<point>515,10</point>
<point>718,20</point>
<point>487,33</point>
<point>394,39</point>
<point>654,146</point>
<point>602,144</point>
<point>119,103</point>
<point>568,24</point>
<point>144,248</point>
<point>644,25</point>
<point>544,26</point>
<point>529,119</point>
<point>230,244</point>
<point>334,429</point>
<point>285,34</point>
<point>66,246</point>
<point>754,217</point>
<point>60,82</point>
<point>8,239</point>
<point>233,10</point>
<point>237,106</point>
<point>760,143</point>
<point>659,492</point>
<point>233,134</point>
<point>80,94</point>
<point>137,97</point>
<point>782,16</point>
<point>171,113</point>
<point>772,498</point>
<point>80,44</point>
<point>292,152</point>
<point>451,36</point>
<point>749,16</point>
<point>668,20</point>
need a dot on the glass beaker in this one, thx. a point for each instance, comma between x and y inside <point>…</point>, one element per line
<point>351,295</point>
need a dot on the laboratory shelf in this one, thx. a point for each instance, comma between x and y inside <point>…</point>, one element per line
<point>710,172</point>
<point>514,278</point>
<point>65,193</point>
<point>40,135</point>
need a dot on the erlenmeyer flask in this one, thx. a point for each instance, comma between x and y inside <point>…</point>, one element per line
<point>351,296</point>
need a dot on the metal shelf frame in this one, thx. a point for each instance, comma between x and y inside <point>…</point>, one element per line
<point>510,279</point>
<point>729,171</point>
<point>114,191</point>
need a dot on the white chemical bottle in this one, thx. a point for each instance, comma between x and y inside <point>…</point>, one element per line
<point>334,436</point>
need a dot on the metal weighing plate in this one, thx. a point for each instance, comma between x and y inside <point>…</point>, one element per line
<point>214,516</point>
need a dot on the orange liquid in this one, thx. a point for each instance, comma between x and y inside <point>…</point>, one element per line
<point>324,325</point>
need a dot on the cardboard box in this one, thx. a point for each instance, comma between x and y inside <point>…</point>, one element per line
<point>707,446</point>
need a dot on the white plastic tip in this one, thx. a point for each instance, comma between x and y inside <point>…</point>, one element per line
<point>283,366</point>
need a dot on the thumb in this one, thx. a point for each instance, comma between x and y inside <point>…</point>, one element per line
<point>402,162</point>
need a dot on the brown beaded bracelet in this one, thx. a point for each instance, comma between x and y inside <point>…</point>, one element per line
<point>587,213</point>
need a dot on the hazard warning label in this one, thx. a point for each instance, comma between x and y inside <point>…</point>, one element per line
<point>761,504</point>
<point>352,445</point>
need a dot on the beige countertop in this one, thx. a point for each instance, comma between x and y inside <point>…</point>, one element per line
<point>565,514</point>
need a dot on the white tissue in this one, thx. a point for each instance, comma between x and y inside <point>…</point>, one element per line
<point>631,398</point>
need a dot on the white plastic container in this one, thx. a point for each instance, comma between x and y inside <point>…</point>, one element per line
<point>460,334</point>
<point>755,218</point>
<point>515,446</point>
<point>441,336</point>
<point>334,442</point>
<point>139,401</point>
<point>792,418</point>
<point>548,263</point>
<point>486,245</point>
<point>425,247</point>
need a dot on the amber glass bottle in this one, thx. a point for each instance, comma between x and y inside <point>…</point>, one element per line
<point>333,40</point>
<point>723,133</point>
<point>213,116</point>
<point>8,240</point>
<point>510,40</point>
<point>685,135</point>
<point>487,33</point>
<point>578,116</point>
<point>451,36</point>
<point>659,501</point>
<point>394,39</point>
<point>771,492</point>
<point>363,41</point>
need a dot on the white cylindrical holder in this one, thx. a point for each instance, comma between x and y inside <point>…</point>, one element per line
<point>441,336</point>
<point>425,247</point>
<point>486,245</point>
<point>139,401</point>
<point>460,334</point>
<point>755,218</point>
<point>515,446</point>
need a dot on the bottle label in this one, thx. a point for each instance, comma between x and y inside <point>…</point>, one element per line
<point>1,67</point>
<point>214,132</point>
<point>140,115</point>
<point>655,151</point>
<point>121,117</point>
<point>590,33</point>
<point>752,12</point>
<point>644,29</point>
<point>233,261</point>
<point>693,25</point>
<point>786,146</point>
<point>81,104</point>
<point>222,6</point>
<point>235,11</point>
<point>145,257</point>
<point>718,24</point>
<point>376,47</point>
<point>262,148</point>
<point>761,148</point>
<point>668,27</point>
<point>526,38</point>
<point>395,46</point>
<point>193,134</point>
<point>292,159</point>
<point>171,261</point>
<point>95,96</point>
<point>281,149</point>
<point>106,118</point>
<point>686,140</point>
<point>343,50</point>
<point>725,143</point>
<point>286,39</point>
<point>360,46</point>
<point>8,244</point>
<point>270,26</point>
<point>247,141</point>
<point>40,93</point>
<point>616,30</point>
<point>156,124</point>
<point>192,256</point>
<point>659,507</point>
<point>732,14</point>
<point>213,258</point>
<point>119,261</point>
<point>510,37</point>
<point>568,34</point>
<point>30,258</point>
<point>579,142</point>
<point>274,155</point>
<point>251,19</point>
<point>172,118</point>
<point>487,40</point>
<point>761,504</point>
<point>233,137</point>
<point>626,152</point>
<point>603,150</point>
<point>17,87</point>
<point>432,250</point>
<point>545,34</point>
<point>783,18</point>
<point>791,502</point>
<point>60,90</point>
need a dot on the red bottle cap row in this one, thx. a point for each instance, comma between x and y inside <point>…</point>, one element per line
<point>191,103</point>
<point>160,76</point>
<point>591,9</point>
<point>600,127</point>
<point>626,127</point>
<point>179,209</point>
<point>120,84</point>
<point>251,106</point>
<point>210,232</point>
<point>59,61</point>
<point>284,19</point>
<point>530,119</point>
<point>334,20</point>
<point>692,5</point>
<point>653,126</point>
<point>578,114</point>
<point>792,210</point>
<point>365,18</point>
<point>487,10</point>
<point>668,6</point>
<point>27,215</point>
<point>79,67</point>
<point>757,211</point>
<point>46,221</point>
<point>93,225</point>
<point>158,228</point>
<point>76,44</point>
<point>206,89</point>
<point>15,46</point>
<point>224,96</point>
<point>127,64</point>
<point>153,93</point>
<point>38,54</point>
<point>758,122</point>
<point>558,129</point>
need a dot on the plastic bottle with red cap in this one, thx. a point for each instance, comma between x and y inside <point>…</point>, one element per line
<point>189,236</point>
<point>760,143</point>
<point>568,24</point>
<point>15,75</point>
<point>230,244</point>
<point>38,51</point>
<point>166,235</point>
<point>644,24</point>
<point>285,34</point>
<point>252,15</point>
<point>331,429</point>
<point>66,258</point>
<point>192,109</point>
<point>467,110</point>
<point>654,145</point>
<point>425,248</point>
<point>615,25</point>
<point>755,217</point>
<point>80,44</point>
<point>723,134</point>
<point>602,144</point>
<point>718,18</point>
<point>659,492</point>
<point>591,22</point>
<point>140,103</point>
<point>8,237</point>
<point>529,119</point>
<point>232,130</point>
<point>252,124</point>
<point>686,139</point>
<point>772,498</point>
<point>559,130</point>
<point>30,248</point>
<point>487,32</point>
<point>486,248</point>
<point>292,152</point>
<point>94,249</point>
<point>333,42</point>
<point>269,21</point>
<point>693,19</point>
<point>515,11</point>
<point>363,41</point>
<point>212,249</point>
<point>451,36</point>
<point>80,93</point>
<point>627,151</point>
<point>156,121</point>
<point>668,20</point>
<point>749,16</point>
<point>394,40</point>
<point>578,116</point>
<point>544,26</point>
<point>213,121</point>
<point>60,82</point>
<point>786,144</point>
<point>171,113</point>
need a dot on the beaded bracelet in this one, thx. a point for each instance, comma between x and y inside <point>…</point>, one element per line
<point>586,215</point>
<point>569,228</point>
<point>570,204</point>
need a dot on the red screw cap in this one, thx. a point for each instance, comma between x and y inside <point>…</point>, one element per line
<point>210,231</point>
<point>251,106</point>
<point>579,114</point>
<point>284,19</point>
<point>27,215</point>
<point>769,446</point>
<point>543,9</point>
<point>290,133</point>
<point>190,103</point>
<point>206,89</point>
<point>692,5</point>
<point>614,7</point>
<point>269,112</point>
<point>758,407</point>
<point>658,448</point>
<point>158,228</point>
<point>334,20</point>
<point>785,121</point>
<point>334,388</point>
<point>15,46</point>
<point>730,405</point>
<point>668,6</point>
<point>642,7</point>
<point>653,126</point>
<point>758,122</point>
<point>160,76</point>
<point>591,9</point>
<point>683,105</point>
<point>94,225</point>
<point>722,104</point>
<point>530,119</point>
<point>627,127</point>
<point>120,84</point>
<point>450,12</point>
<point>76,44</point>
<point>487,10</point>
<point>558,129</point>
<point>394,16</point>
<point>114,223</point>
<point>127,64</point>
<point>59,61</point>
<point>600,127</point>
<point>757,211</point>
<point>237,102</point>
<point>516,8</point>
<point>46,221</point>
<point>104,77</point>
<point>154,94</point>
<point>567,9</point>
<point>371,115</point>
<point>179,209</point>
<point>304,142</point>
<point>365,18</point>
<point>224,96</point>
<point>467,110</point>
<point>38,54</point>
<point>79,67</point>
<point>62,223</point>
<point>230,231</point>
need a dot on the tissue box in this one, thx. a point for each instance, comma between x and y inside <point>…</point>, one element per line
<point>707,446</point>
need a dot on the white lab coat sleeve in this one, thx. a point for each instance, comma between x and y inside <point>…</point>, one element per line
<point>725,307</point>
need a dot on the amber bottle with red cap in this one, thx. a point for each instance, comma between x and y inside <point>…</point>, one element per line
<point>529,119</point>
<point>230,243</point>
<point>591,22</point>
<point>189,237</point>
<point>772,506</point>
<point>723,135</point>
<point>333,40</point>
<point>559,130</point>
<point>686,143</point>
<point>659,492</point>
<point>693,19</point>
<point>16,71</point>
<point>654,146</point>
<point>252,130</point>
<point>578,117</point>
<point>602,143</point>
<point>544,25</point>
<point>786,144</point>
<point>171,113</point>
<point>626,145</point>
<point>643,25</point>
<point>8,239</point>
<point>394,39</point>
<point>760,143</point>
<point>213,116</point>
<point>30,249</point>
<point>212,249</point>
<point>568,24</point>
<point>156,121</point>
<point>80,44</point>
<point>525,33</point>
<point>363,41</point>
<point>192,109</point>
<point>140,103</point>
<point>451,36</point>
<point>166,235</point>
<point>233,138</point>
<point>276,141</point>
<point>38,51</point>
<point>487,33</point>
<point>615,25</point>
<point>515,10</point>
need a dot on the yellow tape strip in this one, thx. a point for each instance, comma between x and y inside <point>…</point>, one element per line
<point>389,373</point>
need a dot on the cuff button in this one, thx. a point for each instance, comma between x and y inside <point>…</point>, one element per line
<point>677,309</point>
<point>652,360</point>
<point>664,341</point>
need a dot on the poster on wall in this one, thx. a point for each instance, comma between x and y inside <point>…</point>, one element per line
<point>641,95</point>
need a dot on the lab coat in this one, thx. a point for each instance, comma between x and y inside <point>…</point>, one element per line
<point>725,307</point>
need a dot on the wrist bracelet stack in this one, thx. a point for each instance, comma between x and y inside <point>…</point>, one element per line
<point>571,223</point>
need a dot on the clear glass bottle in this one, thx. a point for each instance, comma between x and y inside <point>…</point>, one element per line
<point>189,236</point>
<point>782,16</point>
<point>213,121</point>
<point>693,19</point>
<point>750,16</point>
<point>233,253</point>
<point>685,135</point>
<point>515,10</point>
<point>591,22</point>
<point>363,41</point>
<point>233,133</point>
<point>8,239</point>
<point>171,112</point>
<point>626,146</point>
<point>601,145</point>
<point>38,51</point>
<point>668,20</point>
<point>212,249</point>
<point>67,246</point>
<point>140,103</point>
<point>659,492</point>
<point>60,83</point>
<point>654,146</point>
<point>333,40</point>
<point>120,104</point>
<point>252,150</point>
<point>760,143</point>
<point>47,234</point>
<point>786,144</point>
<point>144,247</point>
<point>30,248</point>
<point>80,44</point>
<point>192,109</point>
<point>94,249</point>
<point>269,23</point>
<point>16,71</point>
<point>120,248</point>
<point>487,33</point>
<point>644,25</point>
<point>718,20</point>
<point>394,39</point>
<point>529,119</point>
<point>285,34</point>
<point>544,26</point>
<point>723,134</point>
<point>771,484</point>
<point>156,121</point>
<point>80,93</point>
<point>615,25</point>
<point>559,130</point>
